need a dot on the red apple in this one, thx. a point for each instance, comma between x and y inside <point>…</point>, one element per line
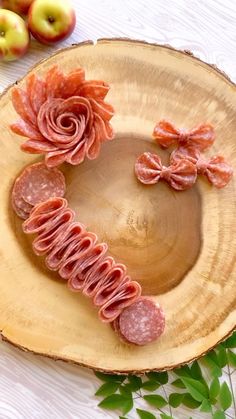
<point>51,21</point>
<point>14,36</point>
<point>17,6</point>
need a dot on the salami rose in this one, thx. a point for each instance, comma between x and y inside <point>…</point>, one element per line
<point>63,116</point>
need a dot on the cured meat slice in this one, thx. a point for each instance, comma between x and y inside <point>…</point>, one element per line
<point>43,215</point>
<point>63,116</point>
<point>181,175</point>
<point>94,279</point>
<point>112,282</point>
<point>73,81</point>
<point>142,322</point>
<point>124,297</point>
<point>20,211</point>
<point>55,82</point>
<point>96,89</point>
<point>77,254</point>
<point>52,207</point>
<point>26,130</point>
<point>65,122</point>
<point>62,248</point>
<point>45,242</point>
<point>21,207</point>
<point>216,169</point>
<point>85,266</point>
<point>36,184</point>
<point>39,183</point>
<point>36,91</point>
<point>22,105</point>
<point>201,137</point>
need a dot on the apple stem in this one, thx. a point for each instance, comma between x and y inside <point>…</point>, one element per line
<point>51,19</point>
<point>2,33</point>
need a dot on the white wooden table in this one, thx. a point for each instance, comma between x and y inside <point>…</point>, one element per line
<point>31,386</point>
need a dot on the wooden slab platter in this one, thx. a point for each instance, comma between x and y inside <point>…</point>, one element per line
<point>181,246</point>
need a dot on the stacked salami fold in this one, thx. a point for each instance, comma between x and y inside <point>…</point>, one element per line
<point>80,259</point>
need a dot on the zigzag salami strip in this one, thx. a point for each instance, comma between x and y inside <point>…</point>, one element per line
<point>78,258</point>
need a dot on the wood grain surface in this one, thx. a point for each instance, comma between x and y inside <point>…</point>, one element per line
<point>29,386</point>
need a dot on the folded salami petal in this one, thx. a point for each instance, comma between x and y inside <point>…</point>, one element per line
<point>141,323</point>
<point>52,207</point>
<point>84,268</point>
<point>96,89</point>
<point>46,241</point>
<point>70,238</point>
<point>55,82</point>
<point>56,158</point>
<point>201,137</point>
<point>22,105</point>
<point>103,109</point>
<point>26,129</point>
<point>95,278</point>
<point>77,154</point>
<point>130,292</point>
<point>36,147</point>
<point>113,281</point>
<point>36,91</point>
<point>42,215</point>
<point>77,255</point>
<point>73,81</point>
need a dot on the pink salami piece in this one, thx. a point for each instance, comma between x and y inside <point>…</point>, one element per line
<point>19,205</point>
<point>78,257</point>
<point>40,183</point>
<point>36,184</point>
<point>216,169</point>
<point>141,323</point>
<point>63,116</point>
<point>180,175</point>
<point>201,137</point>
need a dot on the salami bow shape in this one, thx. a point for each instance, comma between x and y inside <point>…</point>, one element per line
<point>63,116</point>
<point>216,169</point>
<point>201,137</point>
<point>180,175</point>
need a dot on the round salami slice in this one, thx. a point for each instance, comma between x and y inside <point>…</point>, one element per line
<point>142,322</point>
<point>20,206</point>
<point>38,184</point>
<point>19,211</point>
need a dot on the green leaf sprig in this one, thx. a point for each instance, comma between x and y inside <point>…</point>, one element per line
<point>195,386</point>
